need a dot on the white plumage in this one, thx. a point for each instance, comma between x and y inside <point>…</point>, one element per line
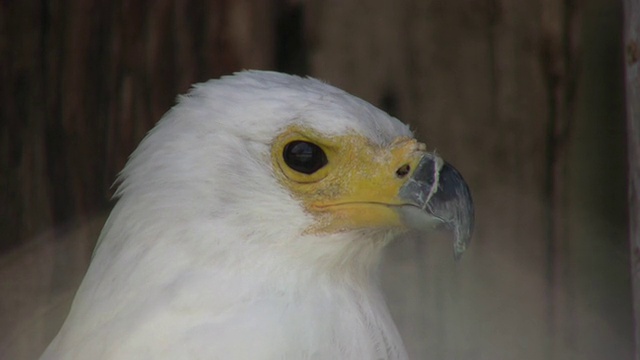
<point>206,255</point>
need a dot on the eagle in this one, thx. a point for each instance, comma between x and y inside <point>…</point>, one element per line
<point>250,223</point>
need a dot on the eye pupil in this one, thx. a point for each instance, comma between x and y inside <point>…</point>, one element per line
<point>304,157</point>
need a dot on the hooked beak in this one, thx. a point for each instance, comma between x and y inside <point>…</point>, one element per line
<point>438,197</point>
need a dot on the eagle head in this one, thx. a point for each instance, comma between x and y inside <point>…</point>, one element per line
<point>259,205</point>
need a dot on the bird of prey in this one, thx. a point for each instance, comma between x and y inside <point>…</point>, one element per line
<point>249,225</point>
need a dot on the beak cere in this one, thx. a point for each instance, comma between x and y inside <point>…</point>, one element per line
<point>439,197</point>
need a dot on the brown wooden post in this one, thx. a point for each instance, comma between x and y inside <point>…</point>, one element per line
<point>83,81</point>
<point>632,77</point>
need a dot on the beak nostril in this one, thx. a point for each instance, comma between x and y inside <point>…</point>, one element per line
<point>403,171</point>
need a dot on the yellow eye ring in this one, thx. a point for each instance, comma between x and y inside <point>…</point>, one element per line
<point>300,156</point>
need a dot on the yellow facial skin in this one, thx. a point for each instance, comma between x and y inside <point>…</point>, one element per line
<point>358,187</point>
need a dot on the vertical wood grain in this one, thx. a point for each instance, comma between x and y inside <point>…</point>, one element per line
<point>83,81</point>
<point>632,77</point>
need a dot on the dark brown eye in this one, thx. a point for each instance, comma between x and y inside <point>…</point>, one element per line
<point>304,157</point>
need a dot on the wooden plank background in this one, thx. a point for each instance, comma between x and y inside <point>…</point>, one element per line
<point>524,97</point>
<point>632,81</point>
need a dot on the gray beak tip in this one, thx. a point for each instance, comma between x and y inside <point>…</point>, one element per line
<point>460,246</point>
<point>440,191</point>
<point>453,204</point>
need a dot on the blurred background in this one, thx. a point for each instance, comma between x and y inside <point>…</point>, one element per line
<point>526,98</point>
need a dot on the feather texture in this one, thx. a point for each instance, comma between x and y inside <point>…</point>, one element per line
<point>204,256</point>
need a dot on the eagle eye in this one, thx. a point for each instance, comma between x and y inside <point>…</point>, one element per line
<point>304,157</point>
